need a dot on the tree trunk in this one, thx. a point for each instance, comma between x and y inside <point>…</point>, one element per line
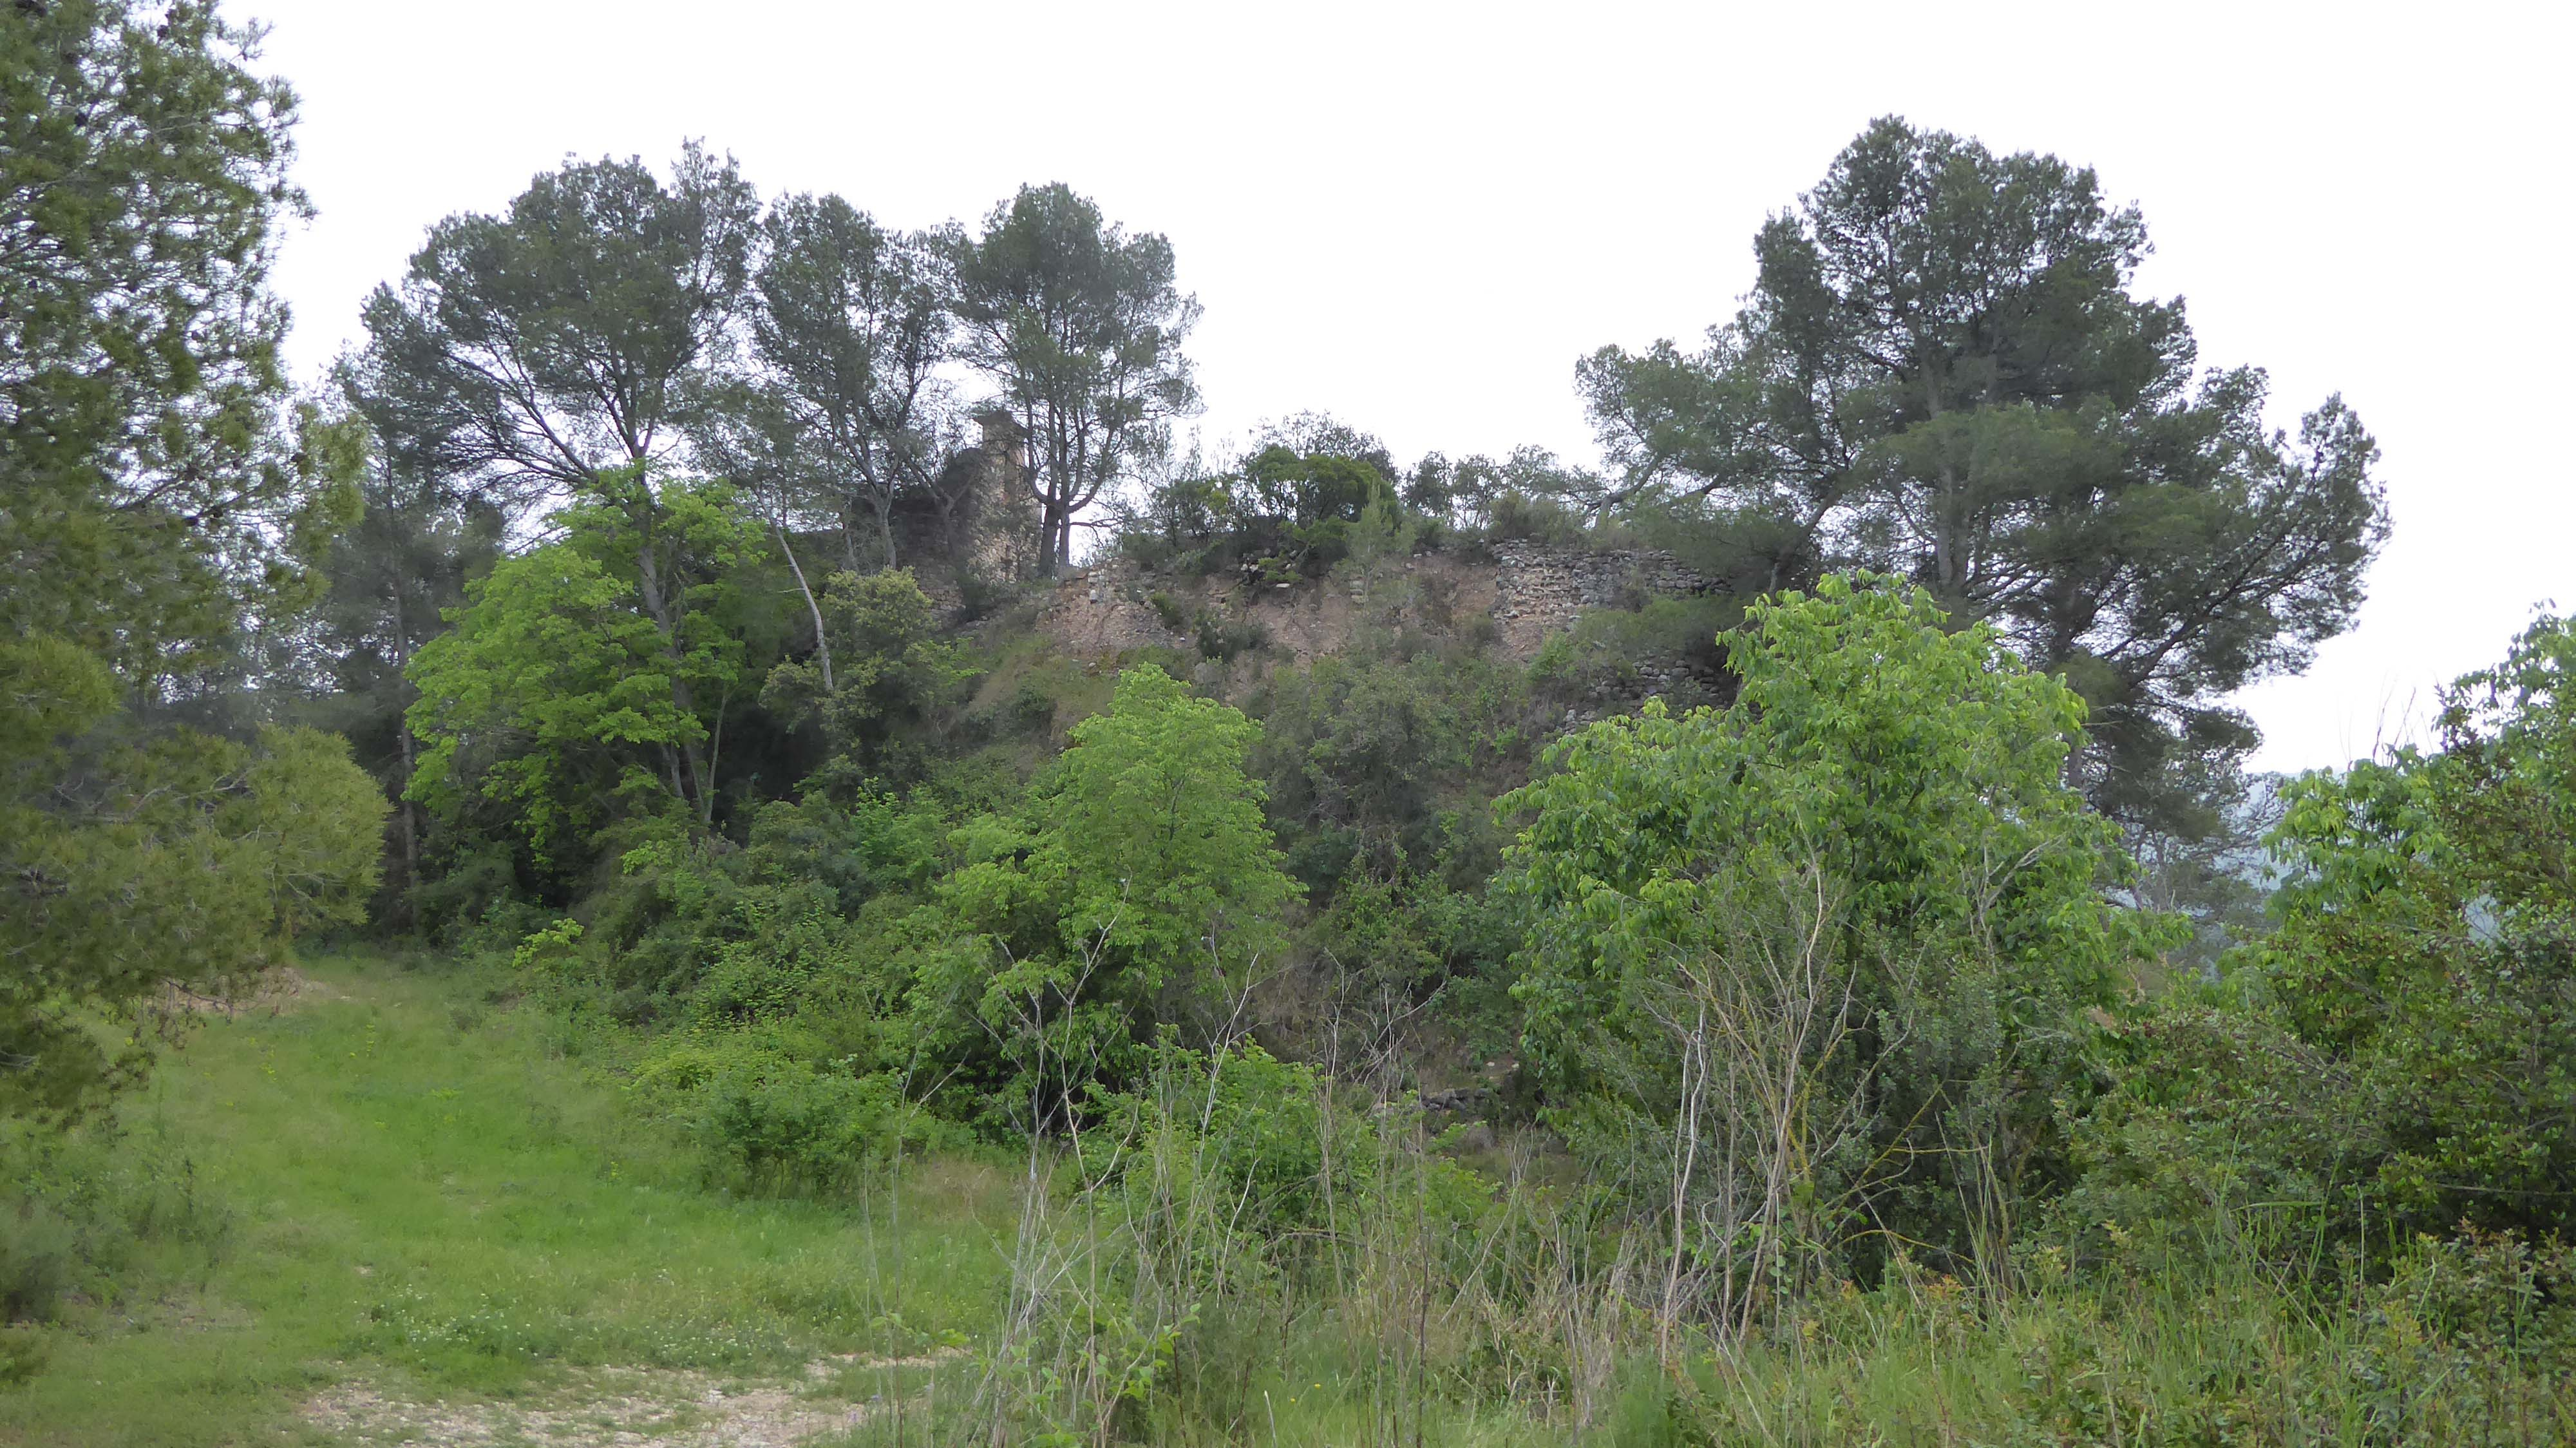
<point>404,809</point>
<point>715,755</point>
<point>822,641</point>
<point>648,581</point>
<point>1044,485</point>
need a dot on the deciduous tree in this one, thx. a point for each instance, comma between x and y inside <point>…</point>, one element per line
<point>1138,886</point>
<point>604,661</point>
<point>1818,964</point>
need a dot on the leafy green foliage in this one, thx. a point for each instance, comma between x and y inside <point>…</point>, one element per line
<point>847,413</point>
<point>183,859</point>
<point>1235,1118</point>
<point>893,674</point>
<point>1139,885</point>
<point>525,355</point>
<point>1080,325</point>
<point>1381,754</point>
<point>2395,1053</point>
<point>159,494</point>
<point>597,665</point>
<point>1857,911</point>
<point>392,578</point>
<point>773,1120</point>
<point>1308,494</point>
<point>164,504</point>
<point>1281,515</point>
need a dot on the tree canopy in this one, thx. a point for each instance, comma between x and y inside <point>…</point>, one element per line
<point>851,328</point>
<point>1079,325</point>
<point>593,665</point>
<point>525,354</point>
<point>1943,372</point>
<point>164,504</point>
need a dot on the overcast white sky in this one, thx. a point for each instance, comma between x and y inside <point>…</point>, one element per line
<point>1416,217</point>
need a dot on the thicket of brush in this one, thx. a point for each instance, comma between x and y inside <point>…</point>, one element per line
<point>1844,1113</point>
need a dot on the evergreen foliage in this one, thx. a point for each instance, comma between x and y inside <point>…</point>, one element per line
<point>1942,373</point>
<point>1079,325</point>
<point>161,505</point>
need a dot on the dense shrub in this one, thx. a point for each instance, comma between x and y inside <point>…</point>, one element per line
<point>773,1120</point>
<point>84,1211</point>
<point>1815,972</point>
<point>2393,1059</point>
<point>1391,743</point>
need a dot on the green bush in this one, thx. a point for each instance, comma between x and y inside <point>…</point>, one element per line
<point>2393,1060</point>
<point>1830,956</point>
<point>39,1260</point>
<point>778,1123</point>
<point>1223,639</point>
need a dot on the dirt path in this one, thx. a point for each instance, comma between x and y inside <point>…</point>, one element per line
<point>623,1408</point>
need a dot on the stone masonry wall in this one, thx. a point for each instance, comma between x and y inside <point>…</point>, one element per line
<point>1530,590</point>
<point>1541,588</point>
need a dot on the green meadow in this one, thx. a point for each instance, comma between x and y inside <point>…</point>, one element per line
<point>392,1180</point>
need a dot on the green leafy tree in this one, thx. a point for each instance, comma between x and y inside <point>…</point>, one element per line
<point>317,821</point>
<point>1080,326</point>
<point>2428,945</point>
<point>158,858</point>
<point>1942,372</point>
<point>895,672</point>
<point>850,330</point>
<point>164,505</point>
<point>1139,885</point>
<point>1308,491</point>
<point>1813,969</point>
<point>159,494</point>
<point>394,577</point>
<point>1375,756</point>
<point>2395,1058</point>
<point>556,352</point>
<point>1302,507</point>
<point>564,682</point>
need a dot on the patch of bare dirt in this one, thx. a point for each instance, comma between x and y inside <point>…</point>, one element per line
<point>615,1408</point>
<point>1103,611</point>
<point>273,992</point>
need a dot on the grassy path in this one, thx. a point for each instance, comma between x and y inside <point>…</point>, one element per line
<point>423,1205</point>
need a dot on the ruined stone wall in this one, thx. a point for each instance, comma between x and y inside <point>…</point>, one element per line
<point>1541,588</point>
<point>1530,591</point>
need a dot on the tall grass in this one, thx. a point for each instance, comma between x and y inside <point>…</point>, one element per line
<point>1172,1285</point>
<point>405,1181</point>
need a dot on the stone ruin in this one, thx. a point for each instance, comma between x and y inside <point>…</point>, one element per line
<point>1531,591</point>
